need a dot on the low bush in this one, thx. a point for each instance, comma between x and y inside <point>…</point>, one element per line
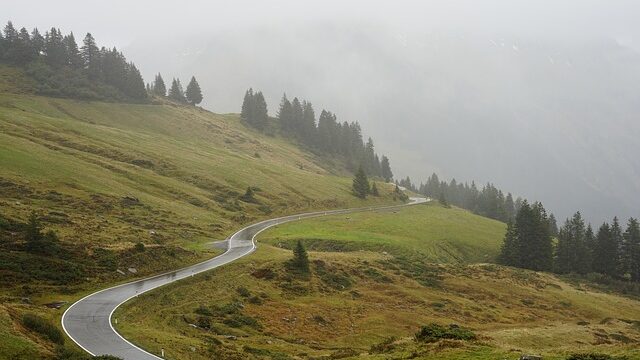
<point>43,327</point>
<point>434,332</point>
<point>139,247</point>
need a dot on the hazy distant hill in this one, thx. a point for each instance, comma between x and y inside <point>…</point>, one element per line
<point>550,120</point>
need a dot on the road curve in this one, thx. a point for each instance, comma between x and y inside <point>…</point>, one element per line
<point>88,321</point>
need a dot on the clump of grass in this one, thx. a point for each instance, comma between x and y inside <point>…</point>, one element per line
<point>434,332</point>
<point>43,327</point>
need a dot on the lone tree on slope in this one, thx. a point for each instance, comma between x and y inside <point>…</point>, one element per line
<point>193,93</point>
<point>361,184</point>
<point>300,259</point>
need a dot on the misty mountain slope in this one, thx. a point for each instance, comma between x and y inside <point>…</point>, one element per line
<point>551,120</point>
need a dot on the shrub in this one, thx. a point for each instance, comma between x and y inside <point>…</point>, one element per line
<point>203,310</point>
<point>243,291</point>
<point>139,247</point>
<point>43,327</point>
<point>434,332</point>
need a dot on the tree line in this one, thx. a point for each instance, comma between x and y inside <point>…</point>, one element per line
<point>193,94</point>
<point>325,135</point>
<point>488,201</point>
<point>62,68</point>
<point>611,251</point>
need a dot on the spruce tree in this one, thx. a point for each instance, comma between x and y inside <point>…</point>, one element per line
<point>260,112</point>
<point>134,86</point>
<point>193,93</point>
<point>175,92</point>
<point>374,189</point>
<point>360,184</point>
<point>297,114</point>
<point>33,235</point>
<point>606,250</point>
<point>326,131</point>
<point>443,200</point>
<point>37,42</point>
<point>91,57</point>
<point>285,114</point>
<point>553,225</point>
<point>10,41</point>
<point>632,250</point>
<point>74,59</point>
<point>590,247</point>
<point>307,125</point>
<point>387,174</point>
<point>300,261</point>
<point>509,252</point>
<point>54,48</point>
<point>535,247</point>
<point>369,157</point>
<point>159,88</point>
<point>510,209</point>
<point>248,107</point>
<point>617,242</point>
<point>23,51</point>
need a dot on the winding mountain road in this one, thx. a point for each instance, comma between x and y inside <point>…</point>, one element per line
<point>88,321</point>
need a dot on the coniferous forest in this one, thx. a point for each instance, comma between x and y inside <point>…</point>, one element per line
<point>60,67</point>
<point>325,135</point>
<point>533,239</point>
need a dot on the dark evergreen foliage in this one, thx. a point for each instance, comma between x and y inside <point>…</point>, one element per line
<point>60,68</point>
<point>631,250</point>
<point>360,185</point>
<point>300,261</point>
<point>254,110</point>
<point>36,241</point>
<point>326,136</point>
<point>194,94</point>
<point>527,243</point>
<point>176,93</point>
<point>610,252</point>
<point>489,202</point>
<point>159,87</point>
<point>385,169</point>
<point>374,189</point>
<point>572,250</point>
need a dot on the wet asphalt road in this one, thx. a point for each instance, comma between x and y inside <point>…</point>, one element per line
<point>88,321</point>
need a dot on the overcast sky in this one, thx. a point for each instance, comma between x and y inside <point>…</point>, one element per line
<point>119,22</point>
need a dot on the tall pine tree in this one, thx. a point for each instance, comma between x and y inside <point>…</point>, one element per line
<point>360,185</point>
<point>631,250</point>
<point>159,88</point>
<point>91,57</point>
<point>193,93</point>
<point>387,174</point>
<point>175,92</point>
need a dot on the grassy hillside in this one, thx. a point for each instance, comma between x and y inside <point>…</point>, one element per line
<point>108,176</point>
<point>429,231</point>
<point>367,298</point>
